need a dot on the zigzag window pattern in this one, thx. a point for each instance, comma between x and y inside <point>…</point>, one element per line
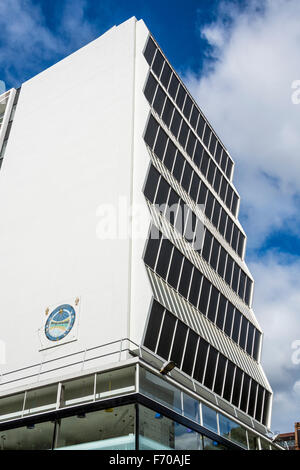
<point>199,127</point>
<point>170,264</point>
<point>188,140</point>
<point>172,340</point>
<point>174,161</point>
<point>158,191</point>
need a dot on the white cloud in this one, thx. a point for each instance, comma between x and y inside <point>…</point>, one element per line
<point>245,90</point>
<point>246,94</point>
<point>26,41</point>
<point>277,306</point>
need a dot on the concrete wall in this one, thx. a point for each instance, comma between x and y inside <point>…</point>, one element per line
<point>73,147</point>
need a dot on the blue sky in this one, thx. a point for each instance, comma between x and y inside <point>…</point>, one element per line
<point>239,59</point>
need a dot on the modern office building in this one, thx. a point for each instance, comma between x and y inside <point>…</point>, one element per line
<point>125,297</point>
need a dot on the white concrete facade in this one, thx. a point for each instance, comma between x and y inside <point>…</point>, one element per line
<point>74,147</point>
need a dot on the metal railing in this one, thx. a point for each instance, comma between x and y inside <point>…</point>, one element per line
<point>79,360</point>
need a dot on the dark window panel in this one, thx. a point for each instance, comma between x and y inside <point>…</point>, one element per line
<point>221,311</point>
<point>222,223</point>
<point>241,244</point>
<point>195,287</point>
<point>217,180</point>
<point>242,284</point>
<point>170,155</point>
<point>187,176</point>
<point>213,302</point>
<point>256,344</point>
<point>185,278</point>
<point>204,296</point>
<point>222,262</point>
<point>235,236</point>
<point>164,258</point>
<point>243,335</point>
<point>178,167</point>
<point>150,88</point>
<point>194,117</point>
<point>183,134</point>
<point>152,247</point>
<point>252,398</point>
<point>151,132</point>
<point>200,360</point>
<point>236,326</point>
<point>228,380</point>
<point>198,154</point>
<point>190,351</point>
<point>162,192</point>
<point>218,153</point>
<point>204,163</point>
<point>160,144</point>
<point>191,145</point>
<point>167,112</point>
<point>207,245</point>
<point>229,197</point>
<point>228,271</point>
<point>206,135</point>
<point>211,172</point>
<point>245,393</point>
<point>237,387</point>
<point>209,205</point>
<point>153,327</point>
<point>249,346</point>
<point>214,254</point>
<point>223,189</point>
<point>159,100</point>
<point>235,277</point>
<point>150,51</point>
<point>216,214</point>
<point>259,403</point>
<point>229,168</point>
<point>166,74</point>
<point>176,122</point>
<point>220,375</point>
<point>202,194</point>
<point>175,268</point>
<point>178,343</point>
<point>229,318</point>
<point>173,86</point>
<point>187,107</point>
<point>190,226</point>
<point>212,144</point>
<point>172,206</point>
<point>210,368</point>
<point>158,63</point>
<point>151,183</point>
<point>223,162</point>
<point>266,407</point>
<point>194,186</point>
<point>166,335</point>
<point>234,205</point>
<point>248,290</point>
<point>229,229</point>
<point>200,126</point>
<point>180,96</point>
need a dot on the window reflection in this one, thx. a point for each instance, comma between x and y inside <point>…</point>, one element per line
<point>111,429</point>
<point>160,433</point>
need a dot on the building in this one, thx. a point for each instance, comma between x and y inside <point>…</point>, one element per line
<point>95,303</point>
<point>290,440</point>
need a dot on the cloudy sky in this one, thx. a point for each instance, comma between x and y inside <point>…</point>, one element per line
<point>240,59</point>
